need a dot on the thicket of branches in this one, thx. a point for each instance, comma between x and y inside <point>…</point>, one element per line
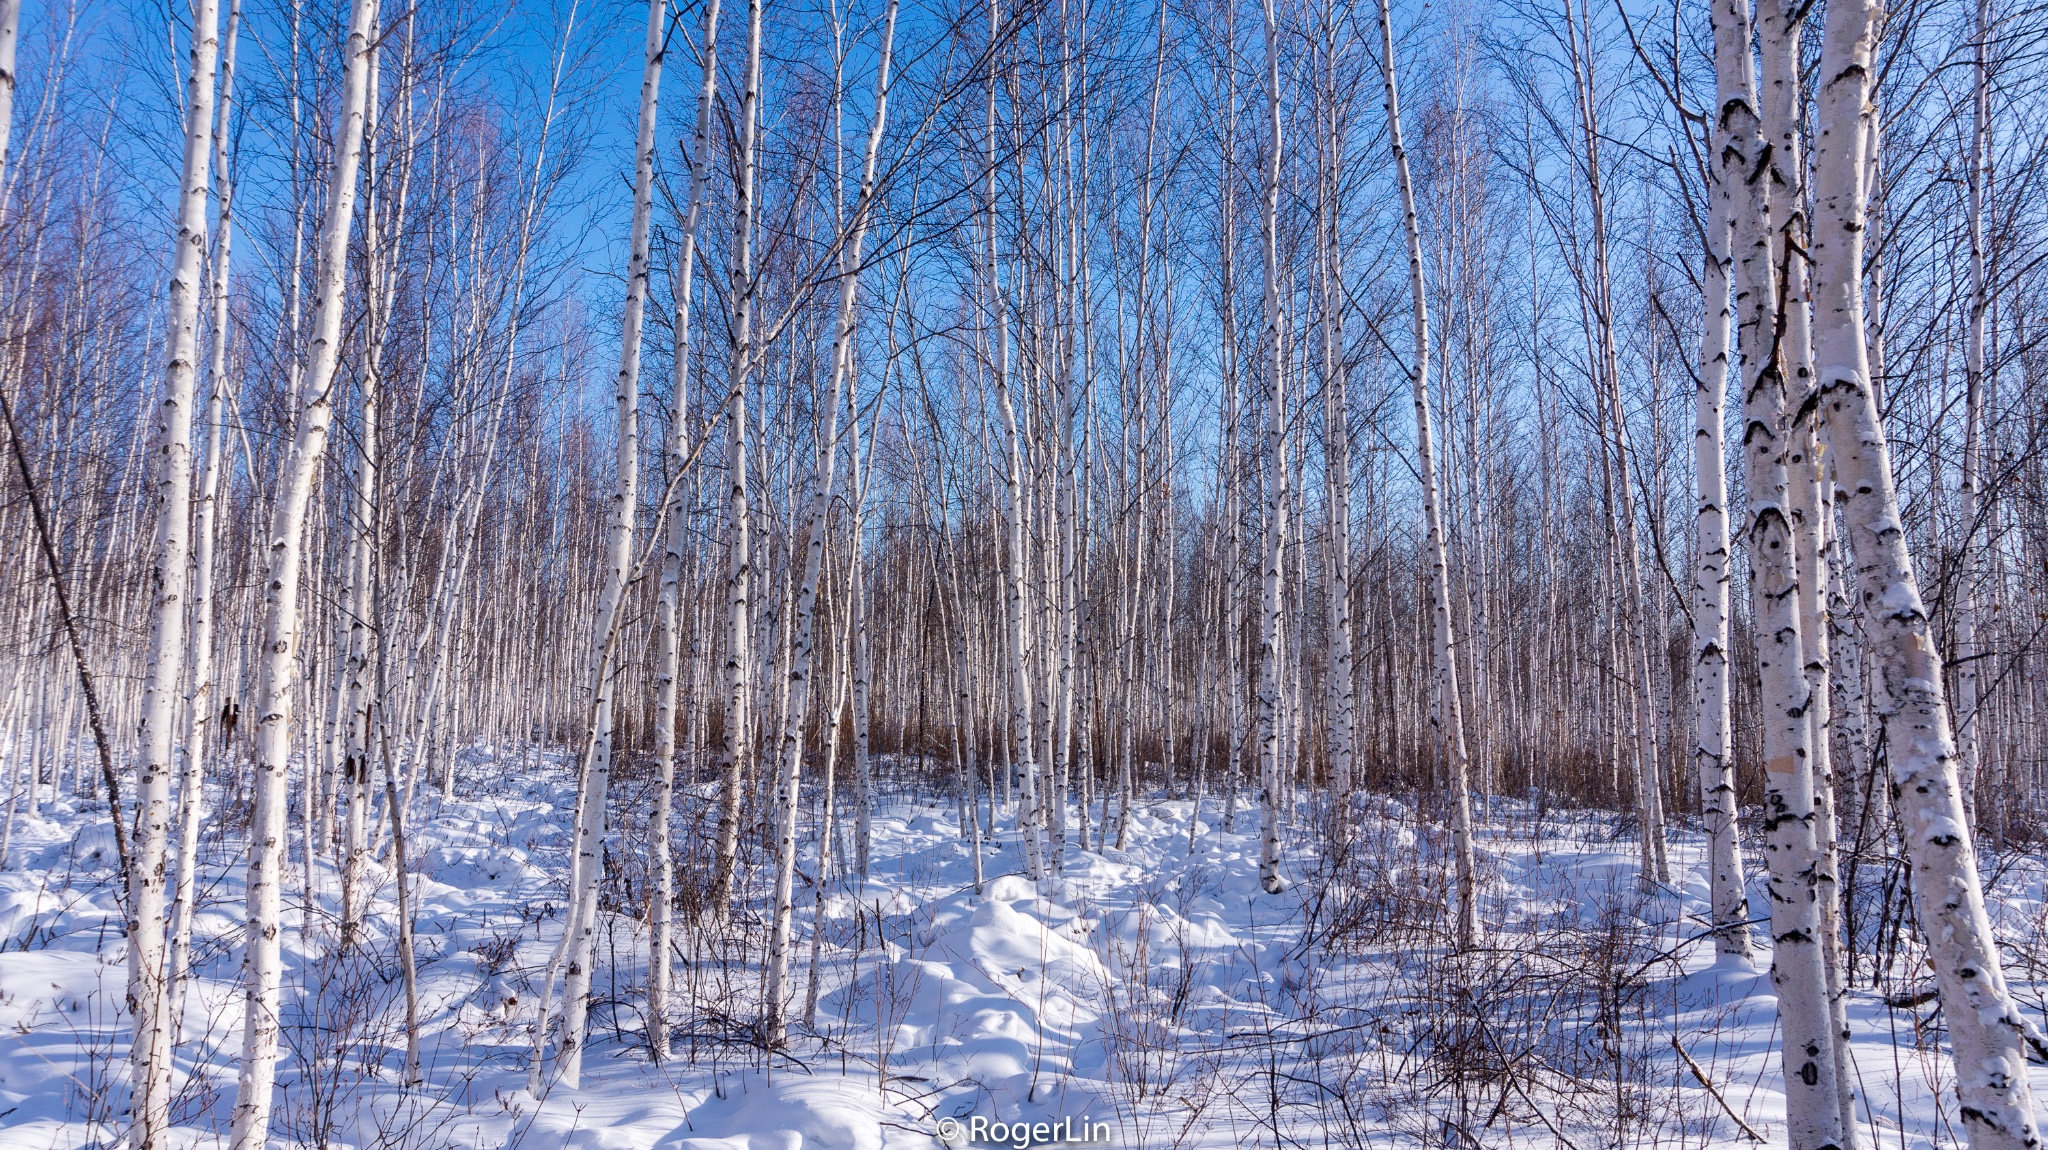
<point>1038,421</point>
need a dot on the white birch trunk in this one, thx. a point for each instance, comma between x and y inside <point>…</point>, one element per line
<point>1337,495</point>
<point>10,37</point>
<point>1850,709</point>
<point>964,740</point>
<point>1985,1025</point>
<point>205,524</point>
<point>1627,557</point>
<point>1970,496</point>
<point>1340,677</point>
<point>363,640</point>
<point>354,696</point>
<point>1811,496</point>
<point>1229,463</point>
<point>1447,714</point>
<point>1712,758</point>
<point>261,960</point>
<point>1065,616</point>
<point>148,998</point>
<point>21,768</point>
<point>1017,645</point>
<point>863,773</point>
<point>835,711</point>
<point>667,652</point>
<point>1067,591</point>
<point>1271,601</point>
<point>775,1024</point>
<point>590,807</point>
<point>1774,332</point>
<point>736,746</point>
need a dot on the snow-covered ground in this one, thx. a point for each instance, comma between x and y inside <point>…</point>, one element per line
<point>1151,998</point>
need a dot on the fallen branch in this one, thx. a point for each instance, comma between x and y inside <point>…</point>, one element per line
<point>1922,993</point>
<point>92,698</point>
<point>1917,995</point>
<point>1713,1090</point>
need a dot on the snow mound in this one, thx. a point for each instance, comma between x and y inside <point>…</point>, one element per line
<point>826,1113</point>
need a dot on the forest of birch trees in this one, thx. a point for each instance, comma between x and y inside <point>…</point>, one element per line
<point>1057,411</point>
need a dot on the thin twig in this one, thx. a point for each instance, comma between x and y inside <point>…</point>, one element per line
<point>92,698</point>
<point>1713,1090</point>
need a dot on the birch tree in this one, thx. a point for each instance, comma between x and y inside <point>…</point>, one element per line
<point>1712,754</point>
<point>789,758</point>
<point>734,752</point>
<point>1772,328</point>
<point>261,960</point>
<point>1624,549</point>
<point>668,654</point>
<point>1336,429</point>
<point>1447,718</point>
<point>1018,645</point>
<point>1985,1024</point>
<point>1977,177</point>
<point>1273,546</point>
<point>580,932</point>
<point>170,577</point>
<point>10,37</point>
<point>198,710</point>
